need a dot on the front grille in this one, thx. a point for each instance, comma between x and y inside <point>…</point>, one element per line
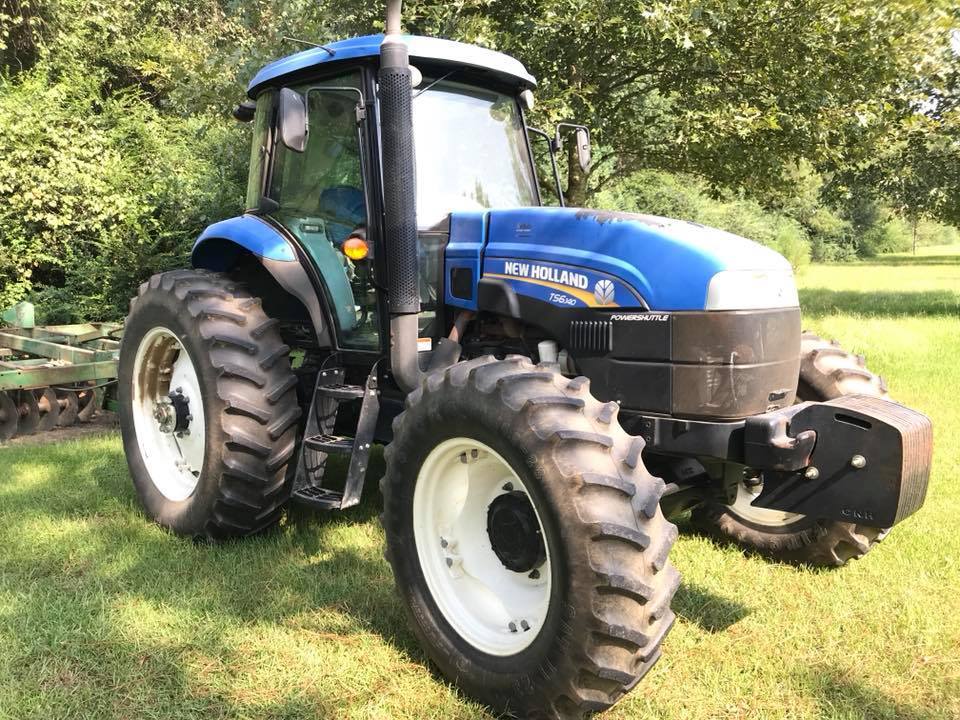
<point>591,335</point>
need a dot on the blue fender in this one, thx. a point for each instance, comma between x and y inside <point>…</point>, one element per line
<point>247,232</point>
<point>221,244</point>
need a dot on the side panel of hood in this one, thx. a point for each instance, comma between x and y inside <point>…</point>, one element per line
<point>664,264</point>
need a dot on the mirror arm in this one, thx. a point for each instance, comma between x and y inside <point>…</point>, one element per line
<point>572,126</point>
<point>245,111</point>
<point>553,160</point>
<point>290,99</point>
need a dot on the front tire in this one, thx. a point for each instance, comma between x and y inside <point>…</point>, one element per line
<point>208,406</point>
<point>826,372</point>
<point>526,538</point>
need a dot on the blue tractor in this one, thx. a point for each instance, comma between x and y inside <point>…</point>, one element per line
<point>553,384</point>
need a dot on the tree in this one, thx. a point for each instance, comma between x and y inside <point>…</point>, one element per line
<point>721,88</point>
<point>916,167</point>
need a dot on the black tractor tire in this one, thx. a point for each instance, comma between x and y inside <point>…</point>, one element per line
<point>612,584</point>
<point>249,402</point>
<point>826,372</point>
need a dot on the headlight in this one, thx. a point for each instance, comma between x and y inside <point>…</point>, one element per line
<point>752,290</point>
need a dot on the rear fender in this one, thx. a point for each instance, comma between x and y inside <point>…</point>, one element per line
<point>221,246</point>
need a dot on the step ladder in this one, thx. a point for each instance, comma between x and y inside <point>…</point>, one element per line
<point>319,442</point>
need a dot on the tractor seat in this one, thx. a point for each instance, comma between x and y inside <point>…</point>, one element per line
<point>344,208</point>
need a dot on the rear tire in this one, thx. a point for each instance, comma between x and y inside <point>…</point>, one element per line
<point>241,401</point>
<point>826,372</point>
<point>606,586</point>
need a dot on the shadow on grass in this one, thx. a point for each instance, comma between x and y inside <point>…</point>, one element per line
<point>840,695</point>
<point>706,609</point>
<point>104,599</point>
<point>901,260</point>
<point>318,559</point>
<point>824,301</point>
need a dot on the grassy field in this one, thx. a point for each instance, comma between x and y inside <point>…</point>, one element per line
<point>103,615</point>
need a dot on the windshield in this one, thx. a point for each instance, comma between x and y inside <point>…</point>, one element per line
<point>471,152</point>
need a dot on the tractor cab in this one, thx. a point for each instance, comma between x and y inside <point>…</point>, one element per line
<point>315,169</point>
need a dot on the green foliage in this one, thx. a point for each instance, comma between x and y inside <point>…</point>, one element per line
<point>832,238</point>
<point>98,191</point>
<point>806,120</point>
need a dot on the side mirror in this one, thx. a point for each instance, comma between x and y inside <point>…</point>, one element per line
<point>581,136</point>
<point>293,120</point>
<point>583,148</point>
<point>526,97</point>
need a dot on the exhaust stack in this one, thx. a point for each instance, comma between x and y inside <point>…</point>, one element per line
<point>399,196</point>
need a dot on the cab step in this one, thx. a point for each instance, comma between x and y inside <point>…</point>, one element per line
<point>318,497</point>
<point>330,444</point>
<point>341,392</point>
<point>319,442</point>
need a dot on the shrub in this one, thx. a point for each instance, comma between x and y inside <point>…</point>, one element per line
<point>97,192</point>
<point>831,237</point>
<point>891,234</point>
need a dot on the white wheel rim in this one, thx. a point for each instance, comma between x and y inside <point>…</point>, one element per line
<point>173,459</point>
<point>498,611</point>
<point>743,507</point>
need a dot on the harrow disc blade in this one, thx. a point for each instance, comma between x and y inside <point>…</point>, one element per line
<point>9,417</point>
<point>69,407</point>
<point>48,407</point>
<point>90,400</point>
<point>28,410</point>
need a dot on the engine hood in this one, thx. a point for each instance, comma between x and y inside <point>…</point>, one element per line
<point>601,258</point>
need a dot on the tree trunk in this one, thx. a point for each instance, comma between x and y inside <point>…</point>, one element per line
<point>577,179</point>
<point>914,235</point>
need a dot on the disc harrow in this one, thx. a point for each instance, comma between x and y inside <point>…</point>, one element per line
<point>53,376</point>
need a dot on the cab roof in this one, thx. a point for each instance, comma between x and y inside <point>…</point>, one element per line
<point>448,52</point>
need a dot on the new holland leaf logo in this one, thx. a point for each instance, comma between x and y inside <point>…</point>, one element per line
<point>603,292</point>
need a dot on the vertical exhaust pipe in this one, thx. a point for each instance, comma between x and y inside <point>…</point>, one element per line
<point>400,202</point>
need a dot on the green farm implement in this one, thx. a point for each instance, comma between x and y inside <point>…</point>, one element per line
<point>52,376</point>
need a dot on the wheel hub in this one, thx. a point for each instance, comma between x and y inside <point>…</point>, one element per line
<point>172,413</point>
<point>164,415</point>
<point>514,532</point>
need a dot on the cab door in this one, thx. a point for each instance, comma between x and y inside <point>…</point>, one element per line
<point>323,202</point>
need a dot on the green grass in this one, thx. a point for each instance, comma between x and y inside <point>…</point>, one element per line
<point>103,615</point>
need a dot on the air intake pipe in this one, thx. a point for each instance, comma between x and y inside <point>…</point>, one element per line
<point>400,202</point>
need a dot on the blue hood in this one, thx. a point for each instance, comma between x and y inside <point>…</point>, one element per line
<point>651,262</point>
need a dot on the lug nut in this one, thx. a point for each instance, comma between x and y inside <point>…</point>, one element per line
<point>811,473</point>
<point>858,461</point>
